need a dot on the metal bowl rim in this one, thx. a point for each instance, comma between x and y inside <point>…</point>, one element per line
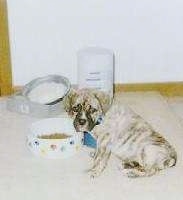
<point>50,78</point>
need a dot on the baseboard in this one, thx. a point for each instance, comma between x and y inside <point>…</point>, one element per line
<point>166,89</point>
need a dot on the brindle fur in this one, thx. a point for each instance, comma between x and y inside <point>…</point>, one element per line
<point>140,149</point>
<point>86,105</point>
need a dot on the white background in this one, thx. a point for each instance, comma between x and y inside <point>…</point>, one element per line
<point>146,36</point>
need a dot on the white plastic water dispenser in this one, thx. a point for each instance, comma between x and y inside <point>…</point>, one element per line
<point>96,69</point>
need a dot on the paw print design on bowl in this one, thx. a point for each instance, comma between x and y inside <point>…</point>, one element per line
<point>43,151</point>
<point>53,147</point>
<point>77,147</point>
<point>72,142</point>
<point>30,144</point>
<point>36,143</point>
<point>63,148</point>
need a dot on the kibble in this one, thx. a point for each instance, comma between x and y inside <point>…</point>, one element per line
<point>54,136</point>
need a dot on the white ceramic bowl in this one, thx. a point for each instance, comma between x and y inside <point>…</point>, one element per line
<point>54,148</point>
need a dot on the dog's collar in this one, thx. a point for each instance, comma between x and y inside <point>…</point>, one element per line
<point>89,140</point>
<point>100,119</point>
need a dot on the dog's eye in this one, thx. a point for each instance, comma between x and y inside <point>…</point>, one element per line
<point>92,110</point>
<point>77,108</point>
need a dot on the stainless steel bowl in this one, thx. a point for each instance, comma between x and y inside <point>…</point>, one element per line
<point>21,103</point>
<point>47,79</point>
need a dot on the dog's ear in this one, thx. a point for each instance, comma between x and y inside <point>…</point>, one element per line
<point>104,99</point>
<point>69,100</point>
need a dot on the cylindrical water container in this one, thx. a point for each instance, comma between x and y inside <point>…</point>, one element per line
<point>95,69</point>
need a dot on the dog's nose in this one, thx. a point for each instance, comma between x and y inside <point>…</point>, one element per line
<point>82,121</point>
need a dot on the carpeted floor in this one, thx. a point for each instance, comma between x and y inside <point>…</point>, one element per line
<point>176,104</point>
<point>25,177</point>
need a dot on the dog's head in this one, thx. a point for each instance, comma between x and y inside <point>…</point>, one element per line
<point>86,106</point>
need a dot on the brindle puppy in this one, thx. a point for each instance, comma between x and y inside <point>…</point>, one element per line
<point>140,149</point>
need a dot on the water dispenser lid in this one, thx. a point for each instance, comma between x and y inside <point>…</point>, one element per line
<point>95,57</point>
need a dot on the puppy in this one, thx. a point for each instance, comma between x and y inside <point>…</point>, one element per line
<point>86,106</point>
<point>140,149</point>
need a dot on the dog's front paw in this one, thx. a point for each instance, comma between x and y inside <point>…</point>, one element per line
<point>92,154</point>
<point>94,173</point>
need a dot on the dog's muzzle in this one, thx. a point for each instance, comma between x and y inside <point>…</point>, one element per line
<point>82,121</point>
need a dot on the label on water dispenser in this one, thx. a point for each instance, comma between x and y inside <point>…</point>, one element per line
<point>100,80</point>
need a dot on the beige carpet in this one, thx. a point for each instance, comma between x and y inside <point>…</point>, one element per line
<point>25,177</point>
<point>176,105</point>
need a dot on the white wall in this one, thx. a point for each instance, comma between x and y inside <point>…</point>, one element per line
<point>146,36</point>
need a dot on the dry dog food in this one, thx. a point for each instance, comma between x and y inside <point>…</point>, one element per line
<point>54,136</point>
